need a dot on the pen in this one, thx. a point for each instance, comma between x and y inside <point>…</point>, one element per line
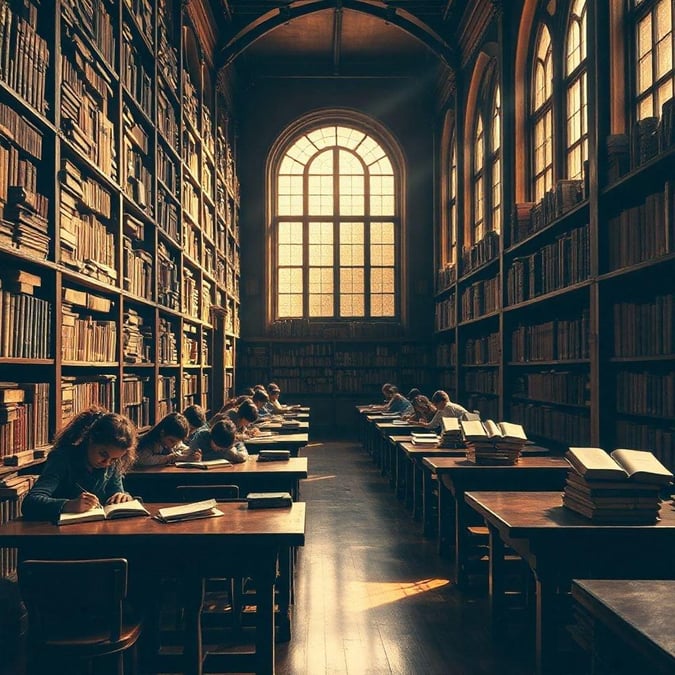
<point>79,487</point>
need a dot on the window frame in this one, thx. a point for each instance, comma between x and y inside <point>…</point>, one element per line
<point>284,143</point>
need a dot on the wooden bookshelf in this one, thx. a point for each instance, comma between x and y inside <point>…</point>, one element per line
<point>119,247</point>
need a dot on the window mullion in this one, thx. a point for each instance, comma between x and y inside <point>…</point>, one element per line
<point>336,233</point>
<point>305,244</point>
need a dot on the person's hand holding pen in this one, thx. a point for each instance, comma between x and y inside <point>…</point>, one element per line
<point>86,500</point>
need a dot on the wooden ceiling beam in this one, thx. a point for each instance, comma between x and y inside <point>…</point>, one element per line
<point>337,37</point>
<point>278,16</point>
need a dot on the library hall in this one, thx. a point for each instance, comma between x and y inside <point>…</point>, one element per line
<point>337,337</point>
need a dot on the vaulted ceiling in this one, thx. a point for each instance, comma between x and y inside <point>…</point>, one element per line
<point>327,38</point>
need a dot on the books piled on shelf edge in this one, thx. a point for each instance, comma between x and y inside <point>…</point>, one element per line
<point>622,487</point>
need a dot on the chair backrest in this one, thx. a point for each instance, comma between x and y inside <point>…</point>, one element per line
<point>196,493</point>
<point>72,595</point>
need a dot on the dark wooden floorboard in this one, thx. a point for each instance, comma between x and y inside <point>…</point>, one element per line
<point>373,596</point>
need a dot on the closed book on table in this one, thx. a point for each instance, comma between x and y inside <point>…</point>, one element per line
<point>273,455</point>
<point>268,500</point>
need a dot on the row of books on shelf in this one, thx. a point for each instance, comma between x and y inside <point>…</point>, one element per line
<point>646,393</point>
<point>25,320</point>
<point>481,252</point>
<point>24,54</point>
<point>482,297</point>
<point>621,487</point>
<point>555,340</point>
<point>649,137</point>
<point>644,328</point>
<point>24,417</point>
<point>13,489</point>
<point>530,217</point>
<point>641,232</point>
<point>555,386</point>
<point>445,313</point>
<point>446,276</point>
<point>550,422</point>
<point>562,263</point>
<point>446,355</point>
<point>349,329</point>
<point>483,350</point>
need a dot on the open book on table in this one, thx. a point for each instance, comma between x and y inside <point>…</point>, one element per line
<point>108,512</point>
<point>640,466</point>
<point>206,464</point>
<point>192,511</point>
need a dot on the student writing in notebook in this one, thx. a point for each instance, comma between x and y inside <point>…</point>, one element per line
<point>444,408</point>
<point>243,416</point>
<point>164,443</point>
<point>423,410</point>
<point>260,400</point>
<point>85,468</point>
<point>219,442</point>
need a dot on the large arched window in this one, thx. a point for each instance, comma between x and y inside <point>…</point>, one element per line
<point>486,161</point>
<point>335,226</point>
<point>576,86</point>
<point>542,114</point>
<point>654,74</point>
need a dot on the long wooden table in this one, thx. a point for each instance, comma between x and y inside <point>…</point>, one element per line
<point>560,545</point>
<point>456,476</point>
<point>158,483</point>
<point>292,442</point>
<point>242,542</point>
<point>632,625</point>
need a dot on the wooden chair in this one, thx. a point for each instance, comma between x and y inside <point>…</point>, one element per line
<point>76,614</point>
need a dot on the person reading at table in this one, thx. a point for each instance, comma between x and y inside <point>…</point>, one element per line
<point>275,406</point>
<point>423,410</point>
<point>395,401</point>
<point>165,443</point>
<point>260,400</point>
<point>219,442</point>
<point>196,419</point>
<point>243,416</point>
<point>444,408</point>
<point>86,466</point>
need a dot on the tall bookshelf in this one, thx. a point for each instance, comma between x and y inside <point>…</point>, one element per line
<point>580,344</point>
<point>119,248</point>
<point>332,375</point>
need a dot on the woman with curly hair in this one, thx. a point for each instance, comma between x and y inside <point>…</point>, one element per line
<point>85,468</point>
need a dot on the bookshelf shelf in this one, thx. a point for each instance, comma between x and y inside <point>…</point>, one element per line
<point>483,317</point>
<point>659,166</point>
<point>644,266</point>
<point>539,364</point>
<point>9,361</point>
<point>574,216</point>
<point>478,271</point>
<point>560,404</point>
<point>548,296</point>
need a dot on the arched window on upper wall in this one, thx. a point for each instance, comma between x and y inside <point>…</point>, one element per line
<point>335,225</point>
<point>451,234</point>
<point>653,36</point>
<point>486,159</point>
<point>541,107</point>
<point>576,87</point>
<point>446,247</point>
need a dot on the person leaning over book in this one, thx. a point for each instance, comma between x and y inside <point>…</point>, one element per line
<point>260,400</point>
<point>275,406</point>
<point>423,410</point>
<point>444,408</point>
<point>165,443</point>
<point>243,416</point>
<point>85,468</point>
<point>396,402</point>
<point>196,419</point>
<point>219,442</point>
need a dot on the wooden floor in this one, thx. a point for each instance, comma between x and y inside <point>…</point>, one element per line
<point>373,596</point>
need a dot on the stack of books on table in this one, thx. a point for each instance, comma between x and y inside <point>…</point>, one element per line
<point>424,439</point>
<point>622,487</point>
<point>492,442</point>
<point>451,433</point>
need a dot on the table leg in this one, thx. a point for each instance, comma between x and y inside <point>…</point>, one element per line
<point>547,623</point>
<point>194,600</point>
<point>446,518</point>
<point>496,578</point>
<point>284,587</point>
<point>264,633</point>
<point>429,527</point>
<point>461,523</point>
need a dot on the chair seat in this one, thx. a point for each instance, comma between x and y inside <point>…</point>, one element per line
<point>94,644</point>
